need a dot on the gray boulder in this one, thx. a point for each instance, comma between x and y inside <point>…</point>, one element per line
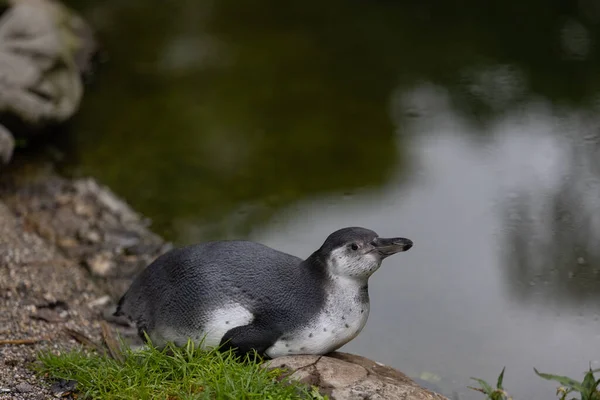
<point>44,50</point>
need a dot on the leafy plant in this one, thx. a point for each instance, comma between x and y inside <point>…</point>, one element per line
<point>497,393</point>
<point>589,388</point>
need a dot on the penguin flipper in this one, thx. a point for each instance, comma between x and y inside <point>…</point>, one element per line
<point>246,338</point>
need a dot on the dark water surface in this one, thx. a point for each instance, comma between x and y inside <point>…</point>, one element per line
<point>471,127</point>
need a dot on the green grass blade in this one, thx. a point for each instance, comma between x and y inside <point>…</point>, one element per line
<point>589,383</point>
<point>486,388</point>
<point>500,379</point>
<point>563,380</point>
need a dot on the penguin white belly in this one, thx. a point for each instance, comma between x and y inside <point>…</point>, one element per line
<point>218,322</point>
<point>341,320</point>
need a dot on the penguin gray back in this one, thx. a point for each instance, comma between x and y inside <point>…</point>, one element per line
<point>185,287</point>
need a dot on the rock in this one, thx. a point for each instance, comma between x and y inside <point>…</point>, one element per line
<point>99,302</point>
<point>7,145</point>
<point>49,315</point>
<point>67,243</point>
<point>122,239</point>
<point>92,237</point>
<point>44,50</point>
<point>24,387</point>
<point>63,388</point>
<point>100,264</point>
<point>345,376</point>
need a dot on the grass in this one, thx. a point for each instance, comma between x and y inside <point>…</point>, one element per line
<point>170,374</point>
<point>587,389</point>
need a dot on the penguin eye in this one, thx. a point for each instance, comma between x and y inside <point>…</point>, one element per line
<point>354,246</point>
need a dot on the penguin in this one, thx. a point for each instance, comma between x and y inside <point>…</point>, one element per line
<point>248,297</point>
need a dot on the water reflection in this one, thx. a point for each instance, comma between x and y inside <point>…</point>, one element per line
<point>268,119</point>
<point>553,224</point>
<point>545,176</point>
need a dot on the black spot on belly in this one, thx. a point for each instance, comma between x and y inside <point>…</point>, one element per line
<point>362,311</point>
<point>287,345</point>
<point>290,350</point>
<point>324,329</point>
<point>343,318</point>
<point>302,348</point>
<point>347,326</point>
<point>310,335</point>
<point>226,322</point>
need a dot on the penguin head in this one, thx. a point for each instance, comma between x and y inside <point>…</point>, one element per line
<point>358,252</point>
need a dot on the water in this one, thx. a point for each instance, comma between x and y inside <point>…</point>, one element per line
<point>472,129</point>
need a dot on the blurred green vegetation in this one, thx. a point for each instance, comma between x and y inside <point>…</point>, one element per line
<point>588,388</point>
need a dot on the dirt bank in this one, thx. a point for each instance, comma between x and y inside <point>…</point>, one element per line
<point>67,250</point>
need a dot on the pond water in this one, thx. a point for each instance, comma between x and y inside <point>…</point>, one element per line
<point>471,128</point>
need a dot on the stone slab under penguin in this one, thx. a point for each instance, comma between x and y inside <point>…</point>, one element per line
<point>247,296</point>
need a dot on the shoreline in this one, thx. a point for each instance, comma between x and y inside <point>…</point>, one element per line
<point>69,249</point>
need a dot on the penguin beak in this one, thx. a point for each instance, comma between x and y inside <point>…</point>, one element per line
<point>389,246</point>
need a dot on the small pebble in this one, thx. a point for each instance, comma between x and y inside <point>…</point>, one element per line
<point>24,387</point>
<point>100,264</point>
<point>91,236</point>
<point>99,302</point>
<point>63,388</point>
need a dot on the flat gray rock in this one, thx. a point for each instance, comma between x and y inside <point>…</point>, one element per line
<point>24,387</point>
<point>345,376</point>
